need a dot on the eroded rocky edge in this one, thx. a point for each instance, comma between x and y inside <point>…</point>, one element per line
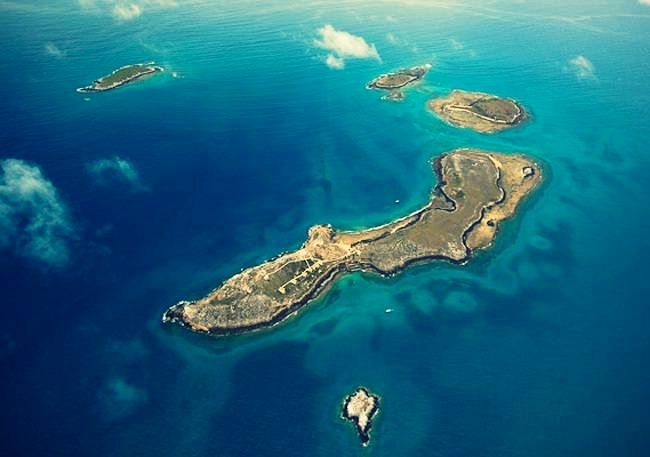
<point>476,191</point>
<point>360,408</point>
<point>485,113</point>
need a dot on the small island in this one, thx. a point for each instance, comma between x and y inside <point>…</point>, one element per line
<point>122,76</point>
<point>476,191</point>
<point>484,113</point>
<point>360,408</point>
<point>395,81</point>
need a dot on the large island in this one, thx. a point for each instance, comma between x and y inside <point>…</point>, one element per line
<point>484,113</point>
<point>122,76</point>
<point>476,191</point>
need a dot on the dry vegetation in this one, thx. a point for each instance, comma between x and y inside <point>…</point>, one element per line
<point>478,190</point>
<point>484,113</point>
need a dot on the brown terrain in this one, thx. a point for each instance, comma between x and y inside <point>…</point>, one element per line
<point>360,408</point>
<point>484,113</point>
<point>393,82</point>
<point>476,191</point>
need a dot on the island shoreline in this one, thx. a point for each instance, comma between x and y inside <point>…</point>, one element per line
<point>368,416</point>
<point>148,69</point>
<point>463,109</point>
<point>175,314</point>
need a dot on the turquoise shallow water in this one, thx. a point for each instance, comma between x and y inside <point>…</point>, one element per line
<point>537,347</point>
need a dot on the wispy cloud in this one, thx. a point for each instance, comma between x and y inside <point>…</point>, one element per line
<point>34,222</point>
<point>343,45</point>
<point>581,67</point>
<point>460,47</point>
<point>456,45</point>
<point>118,398</point>
<point>125,10</point>
<point>54,51</point>
<point>391,38</point>
<point>335,63</point>
<point>115,169</point>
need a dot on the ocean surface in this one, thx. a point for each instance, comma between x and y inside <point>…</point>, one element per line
<point>115,205</point>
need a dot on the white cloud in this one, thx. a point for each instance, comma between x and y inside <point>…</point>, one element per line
<point>127,11</point>
<point>124,10</point>
<point>343,45</point>
<point>33,219</point>
<point>107,171</point>
<point>335,63</point>
<point>581,67</point>
<point>644,2</point>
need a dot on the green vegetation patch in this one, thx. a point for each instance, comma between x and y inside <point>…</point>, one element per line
<point>125,73</point>
<point>394,80</point>
<point>498,109</point>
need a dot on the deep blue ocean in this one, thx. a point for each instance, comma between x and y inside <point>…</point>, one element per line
<point>115,205</point>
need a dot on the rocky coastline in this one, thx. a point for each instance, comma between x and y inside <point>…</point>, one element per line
<point>476,191</point>
<point>394,82</point>
<point>123,75</point>
<point>360,408</point>
<point>484,113</point>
